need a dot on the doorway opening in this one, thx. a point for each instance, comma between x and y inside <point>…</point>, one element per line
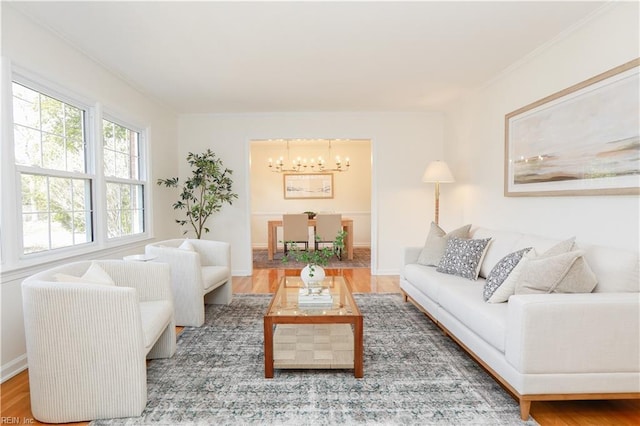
<point>343,170</point>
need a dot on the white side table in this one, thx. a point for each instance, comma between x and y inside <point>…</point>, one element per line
<point>139,258</point>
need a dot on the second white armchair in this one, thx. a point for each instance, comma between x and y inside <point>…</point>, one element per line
<point>200,273</point>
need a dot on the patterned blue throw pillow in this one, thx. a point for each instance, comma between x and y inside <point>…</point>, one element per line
<point>463,257</point>
<point>501,271</point>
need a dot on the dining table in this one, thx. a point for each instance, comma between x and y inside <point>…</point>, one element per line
<point>272,235</point>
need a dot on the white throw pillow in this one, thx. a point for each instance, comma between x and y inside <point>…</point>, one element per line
<point>94,275</point>
<point>186,245</point>
<point>508,286</point>
<point>436,243</point>
<point>561,273</point>
<point>501,271</point>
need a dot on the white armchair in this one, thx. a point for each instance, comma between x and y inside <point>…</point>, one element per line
<point>200,273</point>
<point>87,343</point>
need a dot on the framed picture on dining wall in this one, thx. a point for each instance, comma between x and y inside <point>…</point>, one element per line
<point>583,140</point>
<point>308,185</point>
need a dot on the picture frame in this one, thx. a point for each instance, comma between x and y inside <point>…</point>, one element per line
<point>307,185</point>
<point>583,140</point>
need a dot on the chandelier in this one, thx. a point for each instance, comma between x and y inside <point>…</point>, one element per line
<point>309,165</point>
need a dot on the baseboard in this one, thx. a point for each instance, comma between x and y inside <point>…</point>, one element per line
<point>14,367</point>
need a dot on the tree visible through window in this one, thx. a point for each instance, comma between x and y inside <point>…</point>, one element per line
<point>125,188</point>
<point>49,145</point>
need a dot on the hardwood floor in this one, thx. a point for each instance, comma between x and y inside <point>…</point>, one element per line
<point>16,406</point>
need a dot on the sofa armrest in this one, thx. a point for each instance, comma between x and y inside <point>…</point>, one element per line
<point>410,255</point>
<point>574,333</point>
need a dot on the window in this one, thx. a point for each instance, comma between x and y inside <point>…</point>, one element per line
<point>78,182</point>
<point>51,160</point>
<point>125,188</point>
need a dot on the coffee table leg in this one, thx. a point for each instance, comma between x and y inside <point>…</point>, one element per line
<point>268,348</point>
<point>358,349</point>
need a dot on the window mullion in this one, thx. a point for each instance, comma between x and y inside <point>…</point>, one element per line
<point>95,140</point>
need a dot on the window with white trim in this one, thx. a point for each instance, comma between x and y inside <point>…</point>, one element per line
<point>78,182</point>
<point>123,179</point>
<point>51,162</point>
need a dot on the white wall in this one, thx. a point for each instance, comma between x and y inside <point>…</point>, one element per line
<point>28,46</point>
<point>351,189</point>
<point>402,144</point>
<point>475,138</point>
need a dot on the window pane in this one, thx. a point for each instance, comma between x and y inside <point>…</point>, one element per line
<point>35,228</point>
<point>53,156</point>
<point>27,146</point>
<point>121,151</point>
<point>80,194</point>
<point>61,193</point>
<point>56,212</point>
<point>35,196</point>
<point>26,106</point>
<point>82,233</point>
<point>52,115</point>
<point>125,215</point>
<point>48,133</point>
<point>75,156</point>
<point>122,166</point>
<point>74,127</point>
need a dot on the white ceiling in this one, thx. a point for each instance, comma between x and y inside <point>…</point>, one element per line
<point>307,56</point>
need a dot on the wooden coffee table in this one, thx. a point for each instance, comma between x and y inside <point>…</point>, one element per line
<point>326,335</point>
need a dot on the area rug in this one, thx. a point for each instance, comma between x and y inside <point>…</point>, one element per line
<point>361,259</point>
<point>414,375</point>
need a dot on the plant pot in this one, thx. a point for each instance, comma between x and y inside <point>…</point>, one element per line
<point>312,278</point>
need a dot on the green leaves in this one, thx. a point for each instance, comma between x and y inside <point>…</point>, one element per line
<point>207,190</point>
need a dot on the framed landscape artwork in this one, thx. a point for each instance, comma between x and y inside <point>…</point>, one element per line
<point>584,140</point>
<point>308,185</point>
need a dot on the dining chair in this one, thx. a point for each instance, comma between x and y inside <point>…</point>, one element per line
<point>327,228</point>
<point>295,230</point>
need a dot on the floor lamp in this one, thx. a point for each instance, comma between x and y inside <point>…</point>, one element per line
<point>437,172</point>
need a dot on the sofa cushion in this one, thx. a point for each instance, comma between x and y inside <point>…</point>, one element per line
<point>436,243</point>
<point>560,273</point>
<point>156,316</point>
<point>427,279</point>
<point>463,257</point>
<point>501,271</point>
<point>463,300</point>
<point>213,276</point>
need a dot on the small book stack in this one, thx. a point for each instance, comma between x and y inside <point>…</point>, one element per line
<point>322,299</point>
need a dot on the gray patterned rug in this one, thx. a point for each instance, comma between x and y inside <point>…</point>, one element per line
<point>413,375</point>
<point>361,259</point>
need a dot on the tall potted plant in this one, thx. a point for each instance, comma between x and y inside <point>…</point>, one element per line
<point>204,193</point>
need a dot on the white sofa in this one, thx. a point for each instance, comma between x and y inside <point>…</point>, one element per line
<point>87,342</point>
<point>200,273</point>
<point>541,346</point>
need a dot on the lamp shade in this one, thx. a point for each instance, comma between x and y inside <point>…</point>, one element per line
<point>437,172</point>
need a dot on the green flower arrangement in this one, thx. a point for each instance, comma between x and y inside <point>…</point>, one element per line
<point>318,257</point>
